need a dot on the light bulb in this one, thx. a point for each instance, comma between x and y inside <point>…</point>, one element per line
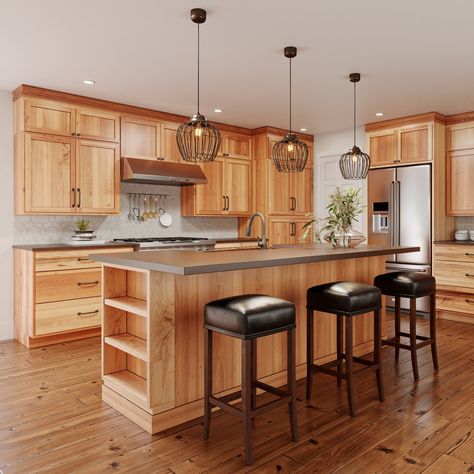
<point>354,158</point>
<point>290,147</point>
<point>198,132</point>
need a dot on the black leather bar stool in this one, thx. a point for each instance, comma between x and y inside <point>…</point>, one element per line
<point>410,285</point>
<point>249,317</point>
<point>345,299</point>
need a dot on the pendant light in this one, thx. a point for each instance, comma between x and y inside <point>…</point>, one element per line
<point>290,154</point>
<point>198,139</point>
<point>354,164</point>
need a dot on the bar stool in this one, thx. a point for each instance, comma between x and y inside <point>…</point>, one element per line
<point>249,317</point>
<point>410,285</point>
<point>345,299</point>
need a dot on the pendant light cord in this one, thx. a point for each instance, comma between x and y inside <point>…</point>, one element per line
<point>198,73</point>
<point>290,95</point>
<point>354,114</point>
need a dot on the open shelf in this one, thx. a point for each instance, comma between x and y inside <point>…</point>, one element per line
<point>128,343</point>
<point>129,385</point>
<point>129,304</point>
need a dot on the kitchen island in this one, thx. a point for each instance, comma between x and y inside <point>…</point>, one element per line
<point>152,323</point>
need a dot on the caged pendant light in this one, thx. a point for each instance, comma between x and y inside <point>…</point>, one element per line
<point>354,164</point>
<point>290,154</point>
<point>198,140</point>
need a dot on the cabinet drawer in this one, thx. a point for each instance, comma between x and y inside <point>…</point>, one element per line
<point>458,303</point>
<point>71,259</point>
<point>67,285</point>
<point>460,253</point>
<point>455,273</point>
<point>67,315</point>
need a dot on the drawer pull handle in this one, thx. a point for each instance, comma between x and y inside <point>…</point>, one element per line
<point>87,314</point>
<point>469,301</point>
<point>469,254</point>
<point>84,283</point>
<point>84,259</point>
<point>470,275</point>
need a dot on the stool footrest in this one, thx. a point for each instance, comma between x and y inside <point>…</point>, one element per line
<point>360,360</point>
<point>268,388</point>
<point>326,368</point>
<point>225,406</point>
<point>421,338</point>
<point>425,341</point>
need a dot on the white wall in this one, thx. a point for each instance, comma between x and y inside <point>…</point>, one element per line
<point>6,215</point>
<point>328,148</point>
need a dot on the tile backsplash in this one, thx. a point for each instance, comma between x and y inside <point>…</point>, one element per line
<point>465,223</point>
<point>52,229</point>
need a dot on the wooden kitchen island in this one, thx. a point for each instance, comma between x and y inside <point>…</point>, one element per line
<point>152,322</point>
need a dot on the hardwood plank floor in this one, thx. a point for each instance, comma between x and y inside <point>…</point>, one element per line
<point>53,420</point>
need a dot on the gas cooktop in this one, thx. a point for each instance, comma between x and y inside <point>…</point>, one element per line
<point>169,242</point>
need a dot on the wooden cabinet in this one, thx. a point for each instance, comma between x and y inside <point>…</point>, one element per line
<point>235,145</point>
<point>454,272</point>
<point>49,173</point>
<point>460,170</point>
<point>57,294</point>
<point>227,192</point>
<point>64,175</point>
<point>149,139</point>
<point>97,177</point>
<point>58,118</point>
<point>285,230</point>
<point>402,145</point>
<point>289,193</point>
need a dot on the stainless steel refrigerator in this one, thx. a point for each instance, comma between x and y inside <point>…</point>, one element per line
<point>399,211</point>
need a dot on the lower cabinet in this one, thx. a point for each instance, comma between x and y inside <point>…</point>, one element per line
<point>285,230</point>
<point>58,295</point>
<point>454,272</point>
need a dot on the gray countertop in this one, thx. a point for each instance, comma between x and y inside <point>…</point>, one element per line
<point>187,262</point>
<point>59,246</point>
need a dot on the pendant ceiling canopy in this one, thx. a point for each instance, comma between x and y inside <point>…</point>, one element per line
<point>354,164</point>
<point>198,140</point>
<point>290,154</point>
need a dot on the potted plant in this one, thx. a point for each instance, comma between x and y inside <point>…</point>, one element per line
<point>82,225</point>
<point>345,205</point>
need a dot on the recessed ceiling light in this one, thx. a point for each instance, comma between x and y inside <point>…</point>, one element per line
<point>89,82</point>
<point>379,114</point>
<point>303,129</point>
<point>217,111</point>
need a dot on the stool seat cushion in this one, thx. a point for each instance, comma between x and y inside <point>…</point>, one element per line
<point>343,297</point>
<point>248,316</point>
<point>407,284</point>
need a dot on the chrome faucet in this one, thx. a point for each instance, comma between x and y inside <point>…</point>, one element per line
<point>262,243</point>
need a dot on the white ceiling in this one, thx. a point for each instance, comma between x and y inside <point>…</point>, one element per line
<point>414,56</point>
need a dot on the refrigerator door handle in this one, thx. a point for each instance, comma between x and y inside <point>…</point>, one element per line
<point>397,218</point>
<point>391,212</point>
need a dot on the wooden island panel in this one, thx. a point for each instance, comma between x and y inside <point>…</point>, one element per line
<point>173,374</point>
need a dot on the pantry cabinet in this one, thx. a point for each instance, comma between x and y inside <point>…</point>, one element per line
<point>227,192</point>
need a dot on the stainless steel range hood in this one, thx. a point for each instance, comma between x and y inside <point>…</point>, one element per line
<point>135,170</point>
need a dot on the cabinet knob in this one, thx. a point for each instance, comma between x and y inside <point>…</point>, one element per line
<point>78,134</point>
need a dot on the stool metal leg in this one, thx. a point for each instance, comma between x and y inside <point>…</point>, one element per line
<point>350,397</point>
<point>207,381</point>
<point>397,326</point>
<point>414,360</point>
<point>247,398</point>
<point>291,382</point>
<point>377,354</point>
<point>339,332</point>
<point>309,352</point>
<point>434,351</point>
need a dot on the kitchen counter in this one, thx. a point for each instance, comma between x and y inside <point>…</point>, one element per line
<point>454,242</point>
<point>60,246</point>
<point>153,318</point>
<point>186,262</point>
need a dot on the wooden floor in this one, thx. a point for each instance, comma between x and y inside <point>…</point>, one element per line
<point>52,420</point>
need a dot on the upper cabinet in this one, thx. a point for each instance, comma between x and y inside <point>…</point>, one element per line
<point>460,169</point>
<point>401,145</point>
<point>235,145</point>
<point>57,118</point>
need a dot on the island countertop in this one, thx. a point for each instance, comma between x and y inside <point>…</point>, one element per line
<point>188,262</point>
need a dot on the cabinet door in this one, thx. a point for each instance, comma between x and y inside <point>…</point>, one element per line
<point>98,177</point>
<point>51,117</point>
<point>414,144</point>
<point>460,176</point>
<point>237,186</point>
<point>49,173</point>
<point>141,138</point>
<point>279,191</point>
<point>169,146</point>
<point>210,197</point>
<point>460,136</point>
<point>235,145</point>
<point>302,192</point>
<point>383,148</point>
<point>298,229</point>
<point>97,124</point>
<point>281,231</point>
